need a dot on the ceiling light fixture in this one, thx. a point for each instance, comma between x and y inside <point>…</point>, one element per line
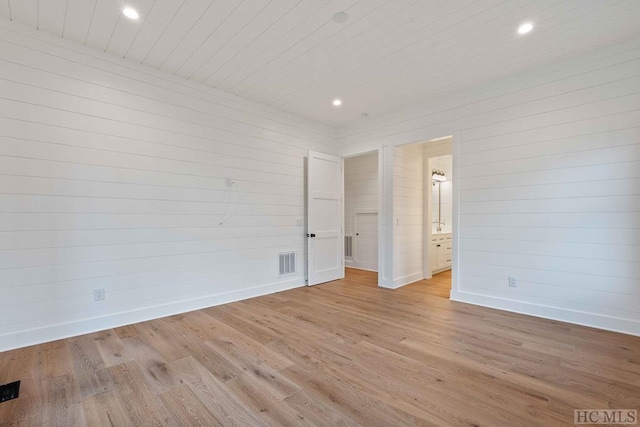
<point>337,103</point>
<point>130,13</point>
<point>525,28</point>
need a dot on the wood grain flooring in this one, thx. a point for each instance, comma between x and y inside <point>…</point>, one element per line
<point>344,353</point>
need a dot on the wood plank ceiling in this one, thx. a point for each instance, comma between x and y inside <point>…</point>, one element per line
<point>291,54</point>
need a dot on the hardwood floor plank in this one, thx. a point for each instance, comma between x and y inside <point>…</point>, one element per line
<point>442,398</point>
<point>111,348</point>
<point>239,346</point>
<point>317,412</point>
<point>128,331</point>
<point>62,403</point>
<point>265,375</point>
<point>20,363</point>
<point>255,333</point>
<point>141,404</point>
<point>467,367</point>
<point>55,359</point>
<point>195,343</point>
<point>162,342</point>
<point>343,353</point>
<point>106,409</point>
<point>269,408</point>
<point>359,404</point>
<point>153,367</point>
<point>317,354</point>
<point>187,409</point>
<point>227,408</point>
<point>89,368</point>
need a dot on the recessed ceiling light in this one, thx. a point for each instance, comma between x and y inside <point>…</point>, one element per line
<point>130,13</point>
<point>340,17</point>
<point>337,102</point>
<point>525,28</point>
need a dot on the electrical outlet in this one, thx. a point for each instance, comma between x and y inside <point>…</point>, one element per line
<point>98,294</point>
<point>513,281</point>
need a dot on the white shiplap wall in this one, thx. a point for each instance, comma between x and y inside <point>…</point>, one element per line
<point>360,191</point>
<point>408,214</point>
<point>113,175</point>
<point>548,176</point>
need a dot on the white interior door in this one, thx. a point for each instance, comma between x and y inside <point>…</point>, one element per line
<point>366,241</point>
<point>325,215</point>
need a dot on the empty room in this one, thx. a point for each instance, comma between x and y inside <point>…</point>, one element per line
<point>319,212</point>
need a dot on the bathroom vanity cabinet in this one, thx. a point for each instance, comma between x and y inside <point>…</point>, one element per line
<point>440,253</point>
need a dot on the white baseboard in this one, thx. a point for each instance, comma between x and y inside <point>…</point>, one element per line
<point>405,280</point>
<point>84,326</point>
<point>351,263</point>
<point>384,282</point>
<point>615,324</point>
<point>361,268</point>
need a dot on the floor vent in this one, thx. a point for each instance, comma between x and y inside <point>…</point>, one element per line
<point>9,391</point>
<point>348,246</point>
<point>286,263</point>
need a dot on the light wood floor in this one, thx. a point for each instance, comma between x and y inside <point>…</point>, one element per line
<point>342,353</point>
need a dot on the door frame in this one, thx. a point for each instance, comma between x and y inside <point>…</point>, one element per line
<point>378,152</point>
<point>385,208</point>
<point>428,203</point>
<point>386,218</point>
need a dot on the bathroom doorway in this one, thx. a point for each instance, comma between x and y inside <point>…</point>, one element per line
<point>438,181</point>
<point>418,213</point>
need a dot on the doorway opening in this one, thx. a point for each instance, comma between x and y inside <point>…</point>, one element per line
<point>439,243</point>
<point>361,211</point>
<point>422,221</point>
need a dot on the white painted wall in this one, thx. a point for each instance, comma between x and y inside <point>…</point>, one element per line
<point>408,214</point>
<point>546,179</point>
<point>360,192</point>
<point>112,176</point>
<point>385,212</point>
